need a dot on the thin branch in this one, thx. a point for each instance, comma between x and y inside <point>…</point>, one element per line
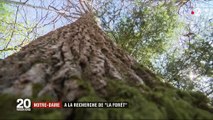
<point>14,26</point>
<point>62,13</point>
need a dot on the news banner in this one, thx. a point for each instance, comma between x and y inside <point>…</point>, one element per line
<point>28,105</point>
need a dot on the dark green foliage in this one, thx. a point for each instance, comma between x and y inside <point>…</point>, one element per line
<point>145,32</point>
<point>161,104</point>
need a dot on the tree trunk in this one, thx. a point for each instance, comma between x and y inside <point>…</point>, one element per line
<point>78,62</point>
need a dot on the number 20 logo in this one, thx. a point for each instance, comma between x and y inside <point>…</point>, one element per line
<point>23,103</point>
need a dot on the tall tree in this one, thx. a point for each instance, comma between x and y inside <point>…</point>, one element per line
<point>78,62</point>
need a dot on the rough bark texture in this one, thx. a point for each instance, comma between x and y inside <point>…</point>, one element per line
<point>78,62</point>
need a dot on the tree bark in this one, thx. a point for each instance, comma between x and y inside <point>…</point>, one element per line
<point>79,60</point>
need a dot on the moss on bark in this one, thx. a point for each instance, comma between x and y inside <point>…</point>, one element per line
<point>158,103</point>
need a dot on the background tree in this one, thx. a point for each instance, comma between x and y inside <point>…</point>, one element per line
<point>188,65</point>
